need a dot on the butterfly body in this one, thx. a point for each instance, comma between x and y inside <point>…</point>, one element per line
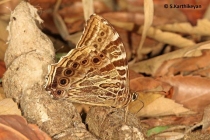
<point>96,71</point>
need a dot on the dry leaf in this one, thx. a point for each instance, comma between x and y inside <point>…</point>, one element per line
<point>157,34</point>
<point>205,122</point>
<point>191,91</point>
<point>148,18</point>
<point>162,107</point>
<point>192,14</point>
<point>143,100</point>
<point>146,84</point>
<point>88,8</point>
<point>14,127</point>
<point>150,66</point>
<point>8,106</point>
<point>202,28</point>
<point>186,120</point>
<point>185,66</point>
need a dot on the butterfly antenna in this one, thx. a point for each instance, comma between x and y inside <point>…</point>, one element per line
<point>59,49</point>
<point>141,107</point>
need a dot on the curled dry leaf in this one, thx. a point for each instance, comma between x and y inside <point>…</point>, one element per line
<point>15,127</point>
<point>185,66</point>
<point>157,34</point>
<point>202,28</point>
<point>70,11</point>
<point>134,17</point>
<point>148,18</point>
<point>191,91</point>
<point>150,94</point>
<point>151,66</point>
<point>28,54</point>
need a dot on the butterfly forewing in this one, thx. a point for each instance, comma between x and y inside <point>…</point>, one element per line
<point>96,71</point>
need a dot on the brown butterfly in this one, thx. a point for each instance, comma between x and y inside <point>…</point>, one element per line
<point>96,71</point>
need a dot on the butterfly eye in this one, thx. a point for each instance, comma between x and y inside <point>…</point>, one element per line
<point>75,65</point>
<point>134,96</point>
<point>63,81</point>
<point>68,72</point>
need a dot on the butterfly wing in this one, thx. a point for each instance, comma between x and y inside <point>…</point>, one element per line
<point>96,71</point>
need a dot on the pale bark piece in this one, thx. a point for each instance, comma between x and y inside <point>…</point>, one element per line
<point>28,52</point>
<point>170,136</point>
<point>109,124</point>
<point>27,57</point>
<point>206,118</point>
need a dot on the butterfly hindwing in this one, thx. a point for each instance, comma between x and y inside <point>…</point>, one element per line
<point>96,71</point>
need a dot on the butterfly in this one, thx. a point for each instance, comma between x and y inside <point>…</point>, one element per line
<point>96,71</point>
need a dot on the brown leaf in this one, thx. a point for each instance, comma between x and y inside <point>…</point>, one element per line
<point>149,84</point>
<point>191,91</point>
<point>191,13</point>
<point>163,107</point>
<point>185,66</point>
<point>2,68</point>
<point>151,66</point>
<point>15,127</point>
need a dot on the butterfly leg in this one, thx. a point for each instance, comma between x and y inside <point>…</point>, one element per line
<point>126,113</point>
